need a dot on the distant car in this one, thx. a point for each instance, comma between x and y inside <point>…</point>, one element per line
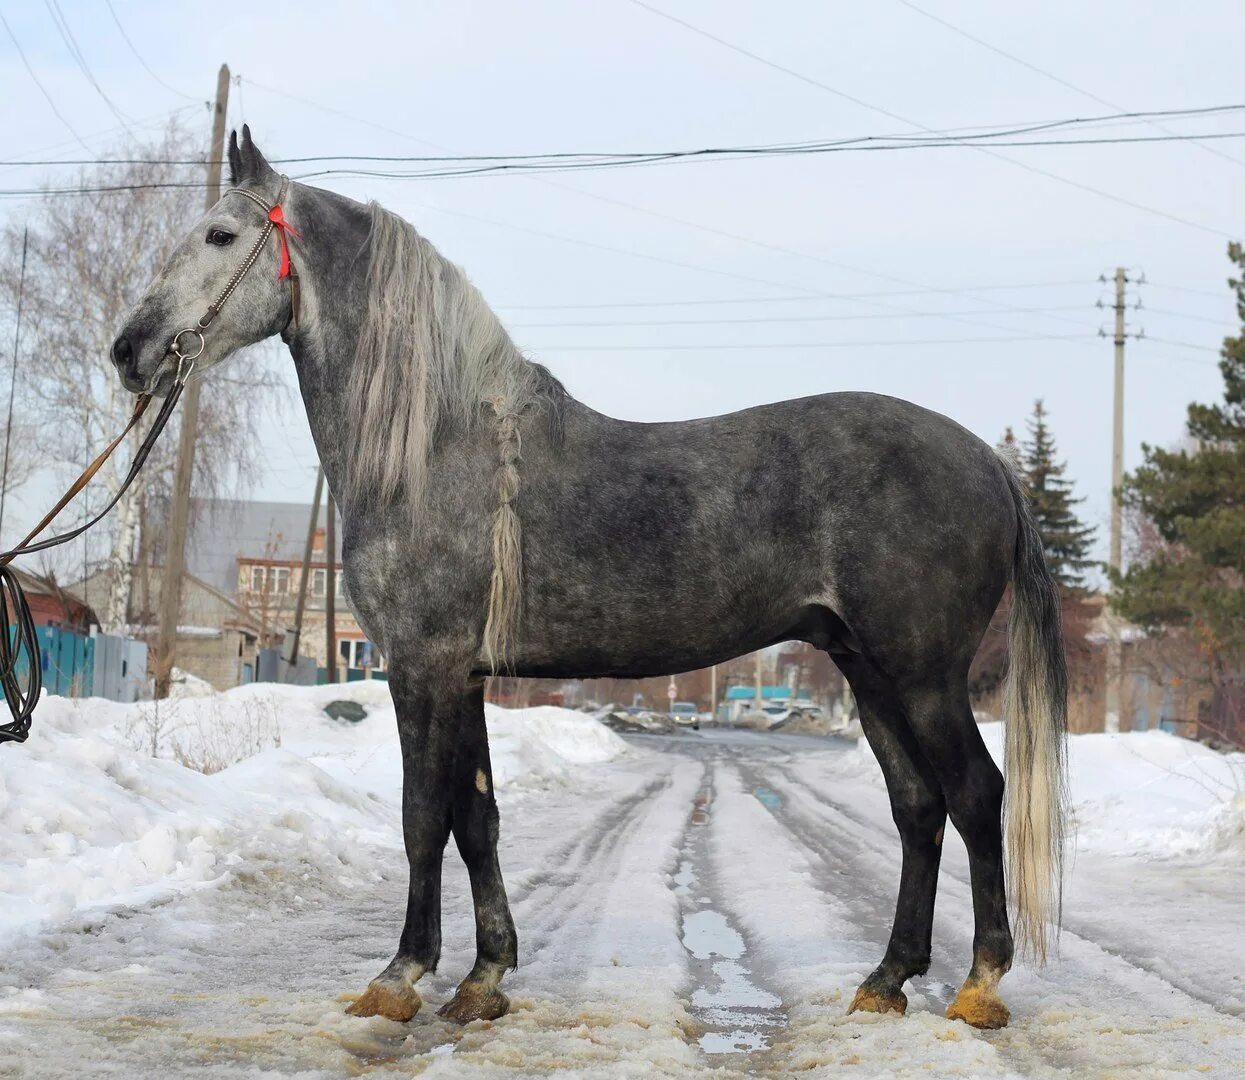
<point>685,713</point>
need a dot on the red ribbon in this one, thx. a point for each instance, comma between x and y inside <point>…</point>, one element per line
<point>282,226</point>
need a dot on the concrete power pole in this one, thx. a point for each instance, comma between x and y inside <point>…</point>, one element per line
<point>179,510</point>
<point>1115,659</point>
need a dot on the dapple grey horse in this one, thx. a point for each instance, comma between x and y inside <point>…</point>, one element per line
<point>493,523</point>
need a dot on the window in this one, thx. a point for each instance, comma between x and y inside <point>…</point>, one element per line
<point>257,579</point>
<point>280,579</point>
<point>317,582</point>
<point>357,654</point>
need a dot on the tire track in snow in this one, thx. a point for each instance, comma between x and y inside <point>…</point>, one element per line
<point>1155,1013</point>
<point>552,898</point>
<point>736,1010</point>
<point>835,811</point>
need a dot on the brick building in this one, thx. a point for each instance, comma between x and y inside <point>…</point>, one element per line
<point>253,553</point>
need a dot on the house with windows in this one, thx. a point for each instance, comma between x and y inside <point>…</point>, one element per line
<point>253,551</point>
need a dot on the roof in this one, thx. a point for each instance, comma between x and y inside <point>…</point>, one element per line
<point>768,693</point>
<point>224,530</point>
<point>39,585</point>
<point>235,615</point>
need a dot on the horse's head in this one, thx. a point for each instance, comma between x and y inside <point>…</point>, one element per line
<point>177,315</point>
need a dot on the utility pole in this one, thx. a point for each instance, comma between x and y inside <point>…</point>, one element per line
<point>179,510</point>
<point>17,338</point>
<point>1115,659</point>
<point>330,589</point>
<point>713,691</point>
<point>301,605</point>
<point>760,696</point>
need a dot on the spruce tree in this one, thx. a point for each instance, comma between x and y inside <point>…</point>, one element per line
<point>1065,539</point>
<point>1195,499</point>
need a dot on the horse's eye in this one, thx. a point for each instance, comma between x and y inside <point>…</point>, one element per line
<point>219,237</point>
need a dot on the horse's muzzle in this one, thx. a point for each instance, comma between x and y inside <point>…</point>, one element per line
<point>125,360</point>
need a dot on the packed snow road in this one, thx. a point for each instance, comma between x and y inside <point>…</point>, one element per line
<point>686,905</point>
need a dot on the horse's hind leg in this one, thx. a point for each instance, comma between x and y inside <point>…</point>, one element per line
<point>942,721</point>
<point>430,712</point>
<point>920,816</point>
<point>475,825</point>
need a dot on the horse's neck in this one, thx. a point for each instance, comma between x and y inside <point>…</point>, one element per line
<point>334,230</point>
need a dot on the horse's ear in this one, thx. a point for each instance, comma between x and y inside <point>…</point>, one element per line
<point>235,159</point>
<point>253,166</point>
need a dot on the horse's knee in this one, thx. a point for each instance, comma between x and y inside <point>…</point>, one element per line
<point>976,807</point>
<point>920,815</point>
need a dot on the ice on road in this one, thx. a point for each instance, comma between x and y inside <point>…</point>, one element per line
<point>701,904</point>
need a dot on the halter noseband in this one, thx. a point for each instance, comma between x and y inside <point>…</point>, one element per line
<point>275,221</point>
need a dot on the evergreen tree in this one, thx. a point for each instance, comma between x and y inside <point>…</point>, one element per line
<point>1065,539</point>
<point>1196,501</point>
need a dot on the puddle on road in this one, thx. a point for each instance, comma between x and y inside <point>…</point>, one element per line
<point>738,1015</point>
<point>771,800</point>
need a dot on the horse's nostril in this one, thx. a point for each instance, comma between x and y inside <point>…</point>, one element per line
<point>123,353</point>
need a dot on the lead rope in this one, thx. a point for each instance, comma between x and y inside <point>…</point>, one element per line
<point>22,687</point>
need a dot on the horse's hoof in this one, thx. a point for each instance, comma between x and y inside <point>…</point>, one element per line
<point>471,1001</point>
<point>979,1007</point>
<point>388,999</point>
<point>874,1001</point>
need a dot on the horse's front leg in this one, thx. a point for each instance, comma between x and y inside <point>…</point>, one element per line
<point>431,712</point>
<point>475,823</point>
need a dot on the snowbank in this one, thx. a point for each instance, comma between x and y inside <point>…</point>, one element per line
<point>111,806</point>
<point>1144,793</point>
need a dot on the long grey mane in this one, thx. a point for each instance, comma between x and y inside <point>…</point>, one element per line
<point>431,358</point>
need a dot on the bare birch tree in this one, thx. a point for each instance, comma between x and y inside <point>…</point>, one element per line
<point>92,254</point>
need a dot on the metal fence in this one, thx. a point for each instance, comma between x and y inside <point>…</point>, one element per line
<point>99,665</point>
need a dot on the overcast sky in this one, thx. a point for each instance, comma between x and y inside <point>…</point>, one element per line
<point>554,75</point>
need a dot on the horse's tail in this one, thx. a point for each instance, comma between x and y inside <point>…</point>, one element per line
<point>1036,711</point>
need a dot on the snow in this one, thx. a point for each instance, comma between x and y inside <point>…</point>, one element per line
<point>699,904</point>
<point>103,814</point>
<point>1146,793</point>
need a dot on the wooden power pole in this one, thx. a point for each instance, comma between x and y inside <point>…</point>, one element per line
<point>1111,722</point>
<point>301,606</point>
<point>330,588</point>
<point>179,509</point>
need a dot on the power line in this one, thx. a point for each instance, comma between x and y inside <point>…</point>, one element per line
<point>785,299</point>
<point>556,166</point>
<point>912,123</point>
<point>1044,73</point>
<point>150,120</point>
<point>793,318</point>
<point>467,163</point>
<point>71,43</point>
<point>579,241</point>
<point>42,89</point>
<point>339,112</point>
<point>813,344</point>
<point>639,209</point>
<point>1221,295</point>
<point>139,57</point>
<point>1185,315</point>
<point>1183,344</point>
<point>630,206</point>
